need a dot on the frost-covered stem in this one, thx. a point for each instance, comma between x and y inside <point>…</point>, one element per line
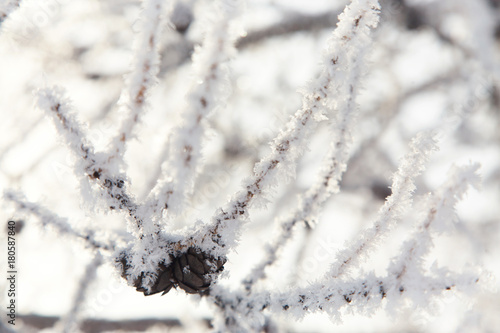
<point>345,45</point>
<point>59,224</point>
<point>335,162</point>
<point>92,167</point>
<point>402,189</point>
<point>334,165</point>
<point>54,102</point>
<point>145,67</point>
<point>331,295</point>
<point>359,294</point>
<point>285,149</point>
<point>72,321</point>
<point>440,211</point>
<point>210,73</point>
<point>7,8</point>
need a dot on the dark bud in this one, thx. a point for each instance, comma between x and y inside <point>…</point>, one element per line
<point>189,271</point>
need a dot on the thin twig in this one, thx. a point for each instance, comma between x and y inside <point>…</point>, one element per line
<point>61,225</point>
<point>145,67</point>
<point>209,61</point>
<point>402,189</point>
<point>351,34</point>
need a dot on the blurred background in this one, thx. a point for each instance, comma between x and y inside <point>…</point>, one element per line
<point>434,65</point>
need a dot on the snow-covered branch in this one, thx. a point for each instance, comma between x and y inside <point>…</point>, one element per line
<point>440,213</point>
<point>91,167</point>
<point>362,295</point>
<point>58,224</point>
<point>335,161</point>
<point>351,34</point>
<point>207,92</point>
<point>196,228</point>
<point>389,214</point>
<point>144,69</point>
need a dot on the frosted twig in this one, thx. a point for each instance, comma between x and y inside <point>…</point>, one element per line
<point>57,105</point>
<point>93,167</point>
<point>185,149</point>
<point>351,33</point>
<point>333,166</point>
<point>153,256</point>
<point>331,295</point>
<point>6,8</point>
<point>402,188</point>
<point>359,294</point>
<point>352,36</point>
<point>335,161</point>
<point>72,321</point>
<point>309,204</point>
<point>145,67</point>
<point>58,224</point>
<point>441,209</point>
<point>209,63</point>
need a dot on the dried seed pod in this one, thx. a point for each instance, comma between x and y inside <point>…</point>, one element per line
<point>190,271</point>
